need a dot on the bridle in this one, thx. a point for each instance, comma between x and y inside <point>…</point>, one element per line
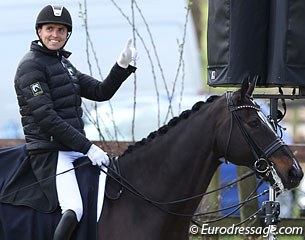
<point>263,165</point>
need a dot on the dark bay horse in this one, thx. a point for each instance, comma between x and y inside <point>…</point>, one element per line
<point>179,160</point>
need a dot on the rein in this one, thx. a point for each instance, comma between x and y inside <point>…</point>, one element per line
<point>263,166</point>
<point>126,185</point>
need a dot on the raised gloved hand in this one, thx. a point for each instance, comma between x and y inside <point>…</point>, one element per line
<point>127,55</point>
<point>97,156</point>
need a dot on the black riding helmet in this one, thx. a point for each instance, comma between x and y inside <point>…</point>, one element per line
<point>54,14</point>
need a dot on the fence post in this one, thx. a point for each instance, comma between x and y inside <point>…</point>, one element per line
<point>245,188</point>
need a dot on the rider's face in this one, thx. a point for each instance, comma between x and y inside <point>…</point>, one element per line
<point>53,36</point>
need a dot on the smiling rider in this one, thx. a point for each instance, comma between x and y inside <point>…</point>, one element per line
<point>49,91</point>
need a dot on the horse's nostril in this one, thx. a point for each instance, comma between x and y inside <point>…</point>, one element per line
<point>295,175</point>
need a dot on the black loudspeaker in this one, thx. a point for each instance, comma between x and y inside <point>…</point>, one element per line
<point>286,51</point>
<point>256,37</point>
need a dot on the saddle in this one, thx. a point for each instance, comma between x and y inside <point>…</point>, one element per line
<point>28,193</point>
<point>29,179</point>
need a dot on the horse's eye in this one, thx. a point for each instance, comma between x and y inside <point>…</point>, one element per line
<point>254,123</point>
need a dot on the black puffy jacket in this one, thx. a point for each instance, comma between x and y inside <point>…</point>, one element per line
<point>49,90</point>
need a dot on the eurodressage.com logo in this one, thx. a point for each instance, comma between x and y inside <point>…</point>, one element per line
<point>205,229</point>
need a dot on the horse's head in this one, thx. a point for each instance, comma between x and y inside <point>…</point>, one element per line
<point>250,140</point>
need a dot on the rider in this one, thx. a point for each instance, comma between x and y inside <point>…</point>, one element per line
<point>49,90</point>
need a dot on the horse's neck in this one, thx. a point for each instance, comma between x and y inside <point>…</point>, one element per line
<point>176,164</point>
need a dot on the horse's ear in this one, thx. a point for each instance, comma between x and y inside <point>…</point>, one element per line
<point>252,85</point>
<point>244,88</point>
<point>248,87</point>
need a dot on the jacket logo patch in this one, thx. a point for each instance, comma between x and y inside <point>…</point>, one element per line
<point>36,89</point>
<point>71,72</point>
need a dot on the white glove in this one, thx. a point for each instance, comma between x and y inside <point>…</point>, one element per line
<point>127,55</point>
<point>97,156</point>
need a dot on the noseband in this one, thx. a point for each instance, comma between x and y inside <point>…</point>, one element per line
<point>263,166</point>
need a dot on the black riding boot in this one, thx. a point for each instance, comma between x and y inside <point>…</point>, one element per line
<point>65,226</point>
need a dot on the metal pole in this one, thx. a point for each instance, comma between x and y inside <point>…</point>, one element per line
<point>271,235</point>
<point>273,115</point>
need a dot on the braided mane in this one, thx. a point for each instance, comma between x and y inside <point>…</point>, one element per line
<point>173,122</point>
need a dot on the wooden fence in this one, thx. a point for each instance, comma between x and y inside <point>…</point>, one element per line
<point>116,148</point>
<point>112,148</point>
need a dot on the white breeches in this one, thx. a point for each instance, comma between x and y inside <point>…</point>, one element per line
<point>68,192</point>
<point>66,184</point>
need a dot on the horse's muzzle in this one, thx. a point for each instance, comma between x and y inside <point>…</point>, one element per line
<point>295,175</point>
